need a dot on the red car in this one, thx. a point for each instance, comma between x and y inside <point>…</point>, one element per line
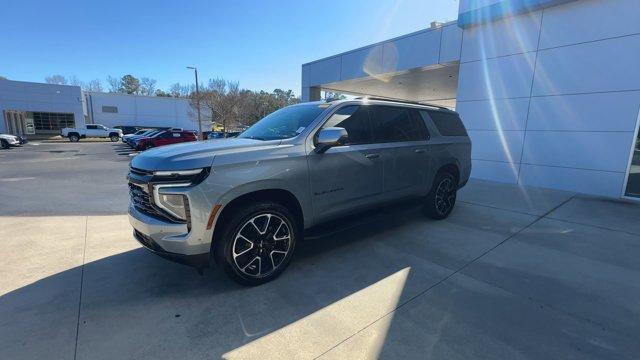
<point>165,138</point>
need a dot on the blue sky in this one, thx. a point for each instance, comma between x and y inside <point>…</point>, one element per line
<point>261,44</point>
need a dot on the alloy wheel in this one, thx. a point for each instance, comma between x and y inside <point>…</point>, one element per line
<point>261,245</point>
<point>445,196</point>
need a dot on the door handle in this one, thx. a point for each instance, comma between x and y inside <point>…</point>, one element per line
<point>418,151</point>
<point>372,156</point>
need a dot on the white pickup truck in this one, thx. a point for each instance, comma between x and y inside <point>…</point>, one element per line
<point>91,131</point>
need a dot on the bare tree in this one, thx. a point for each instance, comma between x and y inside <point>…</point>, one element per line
<point>115,84</point>
<point>93,85</point>
<point>74,81</point>
<point>181,91</point>
<point>56,79</point>
<point>147,86</point>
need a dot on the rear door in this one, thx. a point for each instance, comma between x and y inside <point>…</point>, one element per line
<point>347,177</point>
<point>402,138</point>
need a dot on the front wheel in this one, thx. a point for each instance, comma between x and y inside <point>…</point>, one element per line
<point>115,138</point>
<point>256,243</point>
<point>442,198</point>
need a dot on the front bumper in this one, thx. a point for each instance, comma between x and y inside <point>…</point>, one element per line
<point>169,237</point>
<point>199,261</point>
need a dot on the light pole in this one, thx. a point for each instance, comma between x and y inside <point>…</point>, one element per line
<point>200,135</point>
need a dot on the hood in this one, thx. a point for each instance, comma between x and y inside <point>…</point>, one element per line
<point>192,155</point>
<point>8,137</point>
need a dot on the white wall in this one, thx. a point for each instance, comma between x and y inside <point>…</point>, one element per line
<point>551,97</point>
<point>27,96</point>
<point>425,48</point>
<point>136,110</point>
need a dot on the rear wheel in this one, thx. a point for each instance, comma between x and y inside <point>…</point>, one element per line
<point>74,138</point>
<point>4,144</point>
<point>442,198</point>
<point>256,243</point>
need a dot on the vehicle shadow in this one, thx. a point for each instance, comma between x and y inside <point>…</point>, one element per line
<point>130,295</point>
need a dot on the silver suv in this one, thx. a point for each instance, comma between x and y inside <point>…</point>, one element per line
<point>245,202</point>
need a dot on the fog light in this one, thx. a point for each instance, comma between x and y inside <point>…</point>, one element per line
<point>174,204</point>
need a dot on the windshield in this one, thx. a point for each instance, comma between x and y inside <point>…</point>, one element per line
<point>284,123</point>
<point>140,132</point>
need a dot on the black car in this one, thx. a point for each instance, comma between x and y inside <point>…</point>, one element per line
<point>127,129</point>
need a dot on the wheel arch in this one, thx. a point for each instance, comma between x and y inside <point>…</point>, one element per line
<point>279,195</point>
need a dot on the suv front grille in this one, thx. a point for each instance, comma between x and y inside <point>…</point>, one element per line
<point>141,200</point>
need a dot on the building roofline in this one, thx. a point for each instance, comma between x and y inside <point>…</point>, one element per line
<point>40,83</point>
<point>133,95</point>
<point>447,24</point>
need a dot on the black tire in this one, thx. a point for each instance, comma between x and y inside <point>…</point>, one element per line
<point>281,232</point>
<point>442,198</point>
<point>74,137</point>
<point>114,137</point>
<point>4,144</point>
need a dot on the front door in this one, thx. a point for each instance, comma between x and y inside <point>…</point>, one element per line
<point>346,177</point>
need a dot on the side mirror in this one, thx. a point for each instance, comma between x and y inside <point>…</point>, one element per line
<point>329,137</point>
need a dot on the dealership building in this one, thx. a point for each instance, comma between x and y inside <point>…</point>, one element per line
<point>549,90</point>
<point>43,109</point>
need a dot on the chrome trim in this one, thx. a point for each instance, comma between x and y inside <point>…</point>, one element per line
<point>177,172</point>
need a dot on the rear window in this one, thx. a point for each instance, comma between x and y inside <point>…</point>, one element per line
<point>448,124</point>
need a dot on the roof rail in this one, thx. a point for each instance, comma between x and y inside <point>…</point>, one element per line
<point>402,102</point>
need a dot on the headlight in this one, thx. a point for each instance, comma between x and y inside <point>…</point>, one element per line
<point>174,204</point>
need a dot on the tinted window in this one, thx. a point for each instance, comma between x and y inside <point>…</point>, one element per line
<point>393,124</point>
<point>109,109</point>
<point>354,119</point>
<point>448,124</point>
<point>92,127</point>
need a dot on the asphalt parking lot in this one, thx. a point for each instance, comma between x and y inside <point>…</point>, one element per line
<point>514,273</point>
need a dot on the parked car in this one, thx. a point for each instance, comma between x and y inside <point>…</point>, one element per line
<point>245,202</point>
<point>139,132</point>
<point>8,140</point>
<point>163,138</point>
<point>131,140</point>
<point>126,130</point>
<point>91,131</point>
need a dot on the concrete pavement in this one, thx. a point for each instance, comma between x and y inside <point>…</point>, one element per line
<point>518,273</point>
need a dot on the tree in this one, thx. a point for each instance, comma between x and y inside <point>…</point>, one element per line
<point>161,93</point>
<point>129,84</point>
<point>232,107</point>
<point>56,79</point>
<point>181,91</point>
<point>93,85</point>
<point>147,86</point>
<point>329,96</point>
<point>74,81</point>
<point>3,78</point>
<point>114,84</point>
